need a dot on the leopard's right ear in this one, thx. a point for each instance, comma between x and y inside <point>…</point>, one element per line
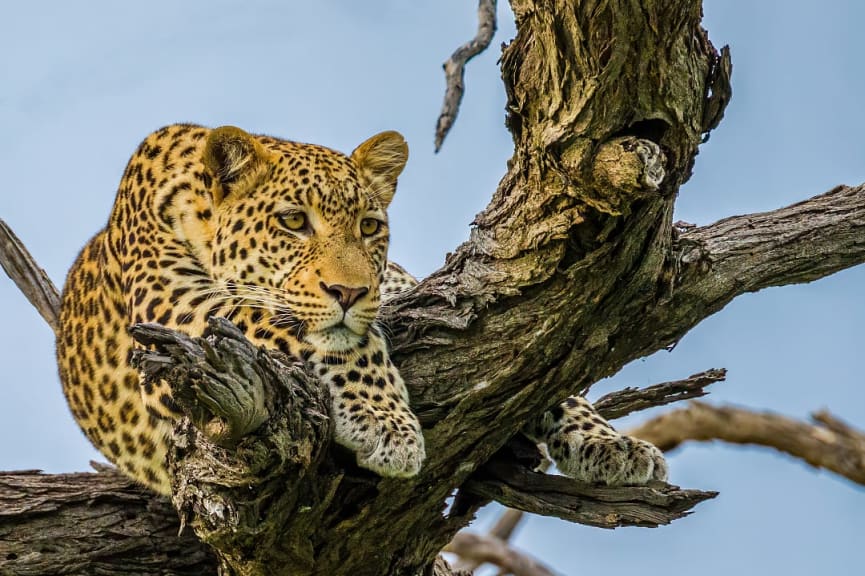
<point>234,159</point>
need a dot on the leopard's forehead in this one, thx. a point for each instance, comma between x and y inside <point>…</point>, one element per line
<point>317,177</point>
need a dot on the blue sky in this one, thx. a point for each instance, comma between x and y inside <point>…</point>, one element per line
<point>84,82</point>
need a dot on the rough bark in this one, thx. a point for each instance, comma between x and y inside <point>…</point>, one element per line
<point>573,270</point>
<point>92,523</point>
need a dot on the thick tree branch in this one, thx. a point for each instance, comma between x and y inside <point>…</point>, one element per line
<point>85,523</point>
<point>795,244</point>
<point>455,67</point>
<point>828,443</point>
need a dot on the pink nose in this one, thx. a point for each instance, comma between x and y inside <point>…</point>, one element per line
<point>343,294</point>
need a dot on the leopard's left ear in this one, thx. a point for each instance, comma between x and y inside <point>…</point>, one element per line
<point>234,159</point>
<point>380,161</point>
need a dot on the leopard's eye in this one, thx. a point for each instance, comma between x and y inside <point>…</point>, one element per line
<point>294,221</point>
<point>369,226</point>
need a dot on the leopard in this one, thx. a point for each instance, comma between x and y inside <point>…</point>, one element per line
<point>288,241</point>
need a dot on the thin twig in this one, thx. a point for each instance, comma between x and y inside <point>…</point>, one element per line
<point>454,68</point>
<point>828,443</point>
<point>28,276</point>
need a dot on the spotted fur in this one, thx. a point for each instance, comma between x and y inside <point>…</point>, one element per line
<point>586,447</point>
<point>287,240</point>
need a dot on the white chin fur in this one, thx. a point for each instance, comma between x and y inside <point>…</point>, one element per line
<point>337,339</point>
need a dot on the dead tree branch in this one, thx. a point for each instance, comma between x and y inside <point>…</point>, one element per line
<point>828,443</point>
<point>623,402</point>
<point>455,67</point>
<point>28,276</point>
<point>800,243</point>
<point>488,549</point>
<point>599,506</point>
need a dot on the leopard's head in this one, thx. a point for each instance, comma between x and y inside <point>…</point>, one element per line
<point>301,231</point>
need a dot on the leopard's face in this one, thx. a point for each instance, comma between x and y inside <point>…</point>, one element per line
<point>305,238</point>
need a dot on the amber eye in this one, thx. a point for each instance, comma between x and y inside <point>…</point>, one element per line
<point>369,226</point>
<point>294,221</point>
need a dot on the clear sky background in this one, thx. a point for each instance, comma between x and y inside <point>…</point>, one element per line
<point>81,83</point>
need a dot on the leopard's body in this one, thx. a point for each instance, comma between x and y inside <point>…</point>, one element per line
<point>287,240</point>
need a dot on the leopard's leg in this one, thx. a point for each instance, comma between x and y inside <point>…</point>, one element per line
<point>587,448</point>
<point>370,409</point>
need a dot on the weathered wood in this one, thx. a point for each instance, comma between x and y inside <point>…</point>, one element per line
<point>85,524</point>
<point>600,506</point>
<point>32,280</point>
<point>622,402</point>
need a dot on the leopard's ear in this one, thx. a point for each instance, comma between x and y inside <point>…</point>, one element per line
<point>234,159</point>
<point>380,161</point>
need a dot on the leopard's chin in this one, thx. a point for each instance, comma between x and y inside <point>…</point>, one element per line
<point>339,338</point>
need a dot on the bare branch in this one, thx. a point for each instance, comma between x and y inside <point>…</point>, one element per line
<point>623,402</point>
<point>795,244</point>
<point>28,276</point>
<point>829,443</point>
<point>599,506</point>
<point>479,549</point>
<point>454,68</point>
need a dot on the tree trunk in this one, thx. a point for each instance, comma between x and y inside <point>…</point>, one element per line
<point>573,270</point>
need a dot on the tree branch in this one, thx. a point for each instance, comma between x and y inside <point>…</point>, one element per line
<point>85,523</point>
<point>28,276</point>
<point>828,443</point>
<point>454,69</point>
<point>600,506</point>
<point>795,244</point>
<point>623,402</point>
<point>479,549</point>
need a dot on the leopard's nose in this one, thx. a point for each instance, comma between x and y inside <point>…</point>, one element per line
<point>343,294</point>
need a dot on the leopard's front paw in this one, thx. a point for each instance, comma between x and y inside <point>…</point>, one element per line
<point>614,460</point>
<point>389,444</point>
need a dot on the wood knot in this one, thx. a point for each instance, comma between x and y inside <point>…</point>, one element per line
<point>630,165</point>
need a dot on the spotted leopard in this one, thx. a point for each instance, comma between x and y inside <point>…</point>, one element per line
<point>287,240</point>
